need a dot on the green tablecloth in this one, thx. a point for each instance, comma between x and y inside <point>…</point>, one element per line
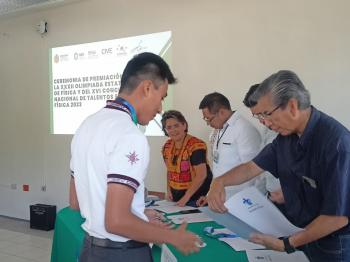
<point>68,238</point>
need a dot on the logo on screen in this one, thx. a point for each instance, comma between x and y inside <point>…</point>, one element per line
<point>64,57</point>
<point>138,48</point>
<point>121,50</point>
<point>56,59</point>
<point>107,51</point>
<point>92,54</point>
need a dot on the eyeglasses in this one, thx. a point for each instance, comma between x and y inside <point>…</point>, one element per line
<point>210,119</point>
<point>267,115</point>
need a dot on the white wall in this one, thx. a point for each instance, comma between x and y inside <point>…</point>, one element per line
<point>223,46</point>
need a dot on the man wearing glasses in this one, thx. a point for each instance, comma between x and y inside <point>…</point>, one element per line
<point>271,185</point>
<point>236,140</point>
<point>311,157</point>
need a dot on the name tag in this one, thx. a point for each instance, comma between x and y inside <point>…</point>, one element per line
<point>216,157</point>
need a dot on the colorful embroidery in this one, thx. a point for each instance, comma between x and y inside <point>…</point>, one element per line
<point>180,171</point>
<point>132,158</point>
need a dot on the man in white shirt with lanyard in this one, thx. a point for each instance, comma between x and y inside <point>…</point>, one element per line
<point>109,162</point>
<point>235,140</point>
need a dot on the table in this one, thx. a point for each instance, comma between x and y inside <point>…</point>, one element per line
<point>69,235</point>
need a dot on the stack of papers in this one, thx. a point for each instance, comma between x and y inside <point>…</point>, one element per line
<point>169,207</point>
<point>189,218</point>
<point>275,256</point>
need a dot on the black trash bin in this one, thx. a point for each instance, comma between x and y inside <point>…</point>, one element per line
<point>42,216</point>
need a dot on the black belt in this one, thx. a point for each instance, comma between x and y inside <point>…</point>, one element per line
<point>103,242</point>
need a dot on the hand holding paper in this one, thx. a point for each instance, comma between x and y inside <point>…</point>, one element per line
<point>216,196</point>
<point>253,208</point>
<point>268,241</point>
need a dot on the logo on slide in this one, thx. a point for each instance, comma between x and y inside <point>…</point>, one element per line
<point>121,50</point>
<point>92,54</point>
<point>139,48</point>
<point>56,59</point>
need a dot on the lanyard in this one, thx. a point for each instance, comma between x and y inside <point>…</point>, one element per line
<point>125,106</point>
<point>219,137</point>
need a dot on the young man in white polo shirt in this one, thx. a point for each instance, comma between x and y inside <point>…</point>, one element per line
<point>110,157</point>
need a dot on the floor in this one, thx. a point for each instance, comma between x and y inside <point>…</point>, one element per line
<point>19,243</point>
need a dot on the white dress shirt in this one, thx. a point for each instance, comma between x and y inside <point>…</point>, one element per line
<point>236,143</point>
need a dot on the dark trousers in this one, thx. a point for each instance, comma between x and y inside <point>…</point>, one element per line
<point>93,253</point>
<point>329,249</point>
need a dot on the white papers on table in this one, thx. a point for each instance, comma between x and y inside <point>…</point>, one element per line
<point>275,256</point>
<point>237,243</point>
<point>165,203</point>
<point>169,207</point>
<point>189,218</point>
<point>167,255</point>
<point>173,209</point>
<point>252,207</point>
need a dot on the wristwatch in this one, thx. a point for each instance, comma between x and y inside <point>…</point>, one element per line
<point>287,246</point>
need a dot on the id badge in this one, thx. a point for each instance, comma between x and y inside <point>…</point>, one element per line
<point>216,157</point>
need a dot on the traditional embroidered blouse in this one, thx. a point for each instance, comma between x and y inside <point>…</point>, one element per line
<point>180,166</point>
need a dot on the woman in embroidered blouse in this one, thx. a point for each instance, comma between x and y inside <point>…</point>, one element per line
<point>185,156</point>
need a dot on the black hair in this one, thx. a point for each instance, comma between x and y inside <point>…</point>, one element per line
<point>248,102</point>
<point>173,114</point>
<point>145,66</point>
<point>214,102</point>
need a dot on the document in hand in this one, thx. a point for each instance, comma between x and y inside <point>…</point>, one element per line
<point>275,256</point>
<point>252,207</point>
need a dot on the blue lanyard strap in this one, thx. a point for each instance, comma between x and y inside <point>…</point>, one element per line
<point>122,104</point>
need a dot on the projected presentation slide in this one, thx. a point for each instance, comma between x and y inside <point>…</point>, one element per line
<point>84,76</point>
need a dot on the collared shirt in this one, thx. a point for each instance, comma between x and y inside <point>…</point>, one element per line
<point>108,148</point>
<point>268,182</point>
<point>314,169</point>
<point>236,143</point>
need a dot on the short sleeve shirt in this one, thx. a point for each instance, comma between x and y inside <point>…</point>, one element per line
<point>108,148</point>
<point>314,169</point>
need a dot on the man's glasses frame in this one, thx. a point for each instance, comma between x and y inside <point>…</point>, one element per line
<point>209,120</point>
<point>267,115</point>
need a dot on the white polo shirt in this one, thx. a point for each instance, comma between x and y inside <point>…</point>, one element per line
<point>236,143</point>
<point>108,148</point>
